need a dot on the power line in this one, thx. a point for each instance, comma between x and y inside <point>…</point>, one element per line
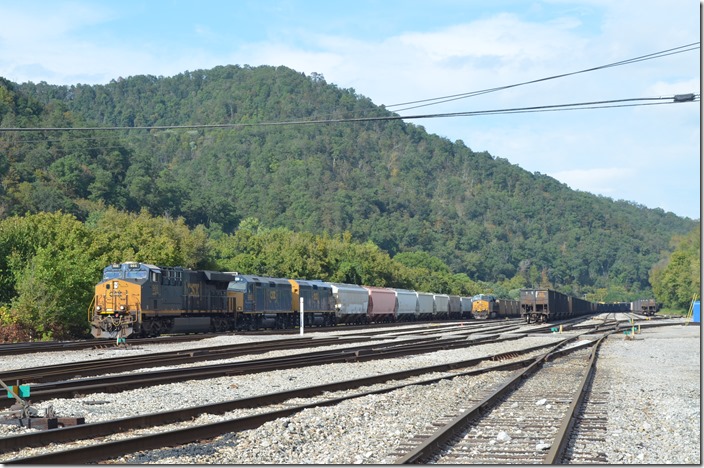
<point>454,97</point>
<point>555,107</point>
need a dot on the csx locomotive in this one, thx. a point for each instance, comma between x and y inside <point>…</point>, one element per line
<point>488,306</point>
<point>147,300</point>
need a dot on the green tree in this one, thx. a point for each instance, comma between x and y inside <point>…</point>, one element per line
<point>676,280</point>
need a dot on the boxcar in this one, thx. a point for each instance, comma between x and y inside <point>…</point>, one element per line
<point>578,306</point>
<point>455,307</point>
<point>645,306</point>
<point>509,308</point>
<point>466,306</point>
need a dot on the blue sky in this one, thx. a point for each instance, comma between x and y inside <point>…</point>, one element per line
<point>395,51</point>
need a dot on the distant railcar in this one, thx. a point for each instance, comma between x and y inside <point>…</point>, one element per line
<point>543,305</point>
<point>466,307</point>
<point>645,307</point>
<point>441,308</point>
<point>486,306</point>
<point>578,306</point>
<point>455,307</point>
<point>426,305</point>
<point>406,305</point>
<point>351,302</point>
<point>382,304</point>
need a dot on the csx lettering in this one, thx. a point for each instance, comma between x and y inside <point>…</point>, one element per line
<point>193,289</point>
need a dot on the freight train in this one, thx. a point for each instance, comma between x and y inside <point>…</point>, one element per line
<point>646,307</point>
<point>146,300</point>
<point>488,306</point>
<point>544,305</point>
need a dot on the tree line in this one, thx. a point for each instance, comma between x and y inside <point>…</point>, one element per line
<point>388,184</point>
<point>51,262</point>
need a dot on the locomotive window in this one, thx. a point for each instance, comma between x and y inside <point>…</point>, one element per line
<point>237,285</point>
<point>138,274</point>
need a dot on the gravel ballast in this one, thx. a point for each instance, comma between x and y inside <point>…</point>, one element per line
<point>653,382</point>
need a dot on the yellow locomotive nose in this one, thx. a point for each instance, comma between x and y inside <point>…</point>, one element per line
<point>117,304</point>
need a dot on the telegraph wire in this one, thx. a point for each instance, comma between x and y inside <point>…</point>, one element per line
<point>454,97</point>
<point>632,102</point>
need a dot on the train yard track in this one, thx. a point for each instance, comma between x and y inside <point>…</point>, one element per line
<point>9,349</point>
<point>56,388</point>
<point>96,451</point>
<point>534,410</point>
<point>547,412</point>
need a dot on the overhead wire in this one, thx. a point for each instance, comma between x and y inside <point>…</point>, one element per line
<point>455,97</point>
<point>433,101</point>
<point>554,107</point>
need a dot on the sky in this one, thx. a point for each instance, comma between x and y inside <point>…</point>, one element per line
<point>399,51</point>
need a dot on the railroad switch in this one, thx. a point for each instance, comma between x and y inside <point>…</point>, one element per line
<point>24,415</point>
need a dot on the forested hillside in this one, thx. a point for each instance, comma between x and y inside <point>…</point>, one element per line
<point>387,182</point>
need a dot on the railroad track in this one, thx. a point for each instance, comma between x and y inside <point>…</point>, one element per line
<point>98,450</point>
<point>121,382</point>
<point>527,419</point>
<point>170,358</point>
<point>10,349</point>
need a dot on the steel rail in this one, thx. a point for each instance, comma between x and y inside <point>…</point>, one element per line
<point>104,428</point>
<point>425,450</point>
<point>557,449</point>
<point>116,383</point>
<point>7,349</point>
<point>128,363</point>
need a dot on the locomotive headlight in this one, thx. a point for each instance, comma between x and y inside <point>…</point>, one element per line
<point>98,308</point>
<point>122,308</point>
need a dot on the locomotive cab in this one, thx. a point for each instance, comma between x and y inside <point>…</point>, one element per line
<point>119,298</point>
<point>484,306</point>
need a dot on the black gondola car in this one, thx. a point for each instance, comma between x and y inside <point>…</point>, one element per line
<point>543,305</point>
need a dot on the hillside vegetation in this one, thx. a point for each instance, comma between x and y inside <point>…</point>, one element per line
<point>384,183</point>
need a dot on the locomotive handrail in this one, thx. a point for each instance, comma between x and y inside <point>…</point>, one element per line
<point>91,309</point>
